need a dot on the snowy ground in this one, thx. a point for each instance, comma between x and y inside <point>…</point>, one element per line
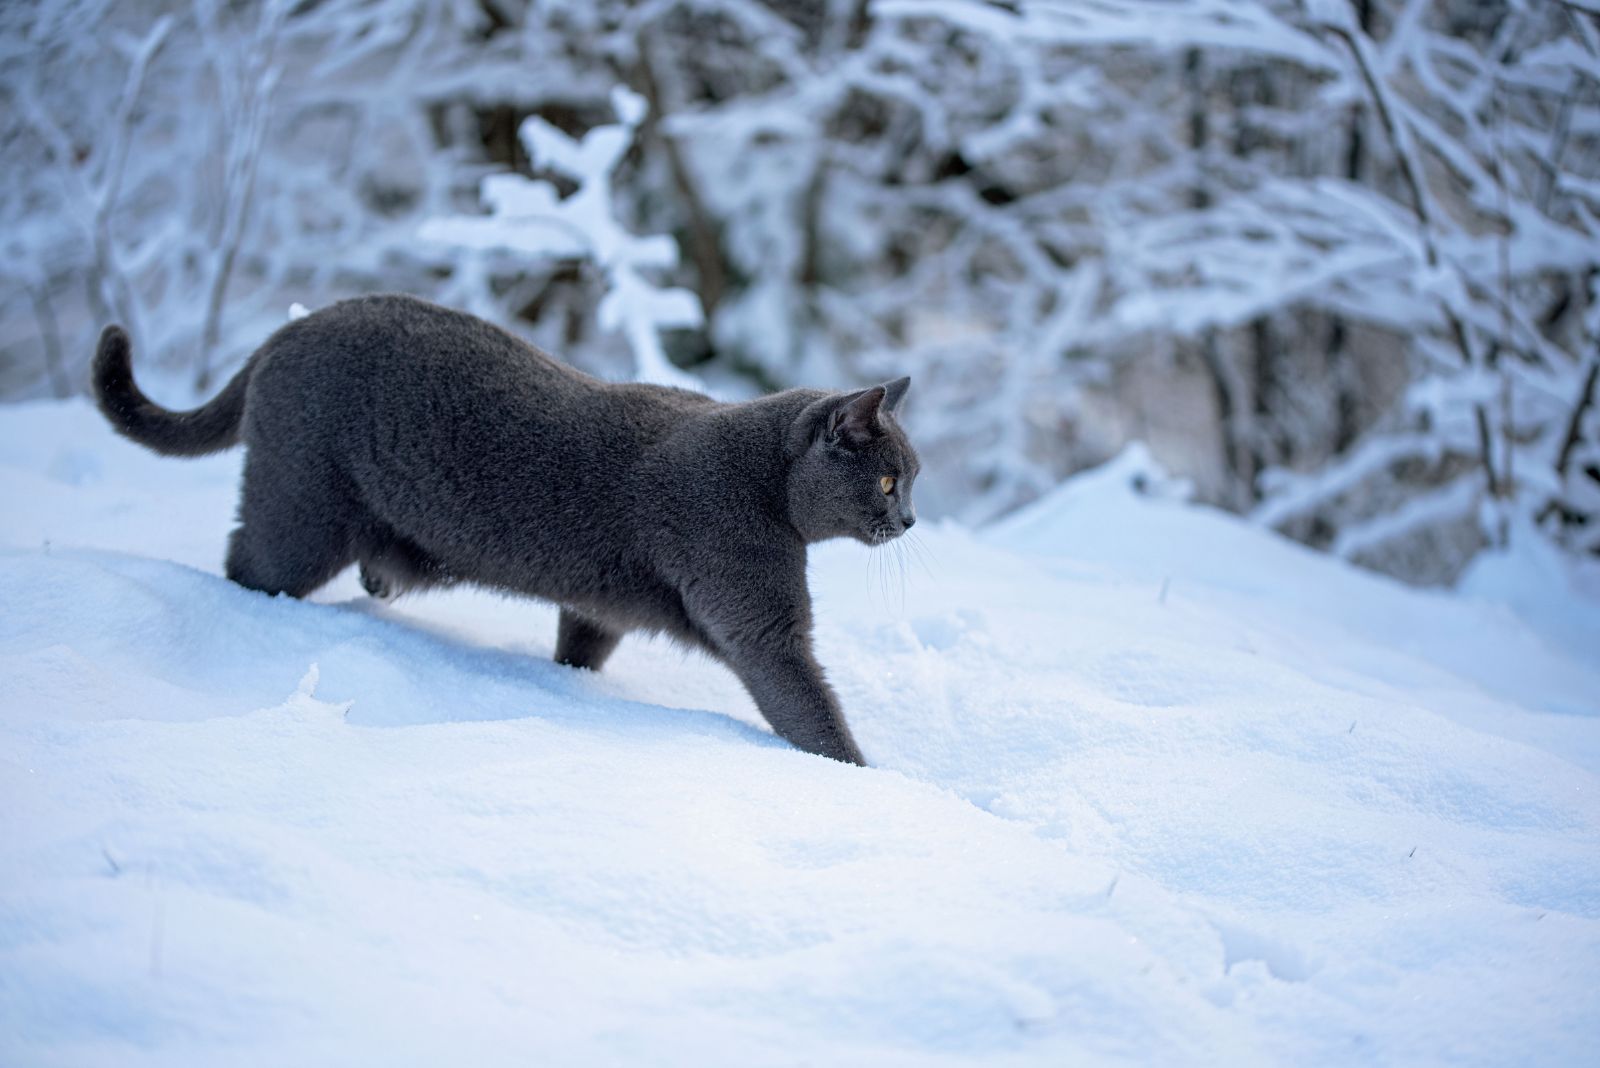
<point>1151,787</point>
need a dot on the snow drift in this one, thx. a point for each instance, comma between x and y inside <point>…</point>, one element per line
<point>1151,786</point>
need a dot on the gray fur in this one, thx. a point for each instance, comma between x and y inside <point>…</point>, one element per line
<point>432,447</point>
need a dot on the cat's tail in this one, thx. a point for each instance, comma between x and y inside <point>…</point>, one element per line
<point>209,428</point>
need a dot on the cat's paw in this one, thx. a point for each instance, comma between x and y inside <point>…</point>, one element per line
<point>376,585</point>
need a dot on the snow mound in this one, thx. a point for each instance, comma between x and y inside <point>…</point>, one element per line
<point>1151,787</point>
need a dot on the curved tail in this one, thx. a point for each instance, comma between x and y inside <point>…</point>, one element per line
<point>209,428</point>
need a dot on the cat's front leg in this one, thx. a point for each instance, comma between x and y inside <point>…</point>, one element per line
<point>789,689</point>
<point>756,618</point>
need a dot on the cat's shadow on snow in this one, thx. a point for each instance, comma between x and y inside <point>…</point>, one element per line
<point>208,634</point>
<point>525,670</point>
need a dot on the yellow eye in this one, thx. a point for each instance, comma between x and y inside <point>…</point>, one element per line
<point>886,483</point>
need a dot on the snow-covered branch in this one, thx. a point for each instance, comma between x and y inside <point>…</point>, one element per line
<point>529,218</point>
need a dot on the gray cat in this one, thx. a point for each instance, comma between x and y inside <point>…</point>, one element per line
<point>432,447</point>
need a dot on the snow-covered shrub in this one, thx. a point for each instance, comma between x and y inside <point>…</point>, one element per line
<point>191,168</point>
<point>1363,233</point>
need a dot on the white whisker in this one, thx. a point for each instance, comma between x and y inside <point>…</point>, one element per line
<point>920,551</point>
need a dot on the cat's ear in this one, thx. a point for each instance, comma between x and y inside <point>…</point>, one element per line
<point>895,392</point>
<point>854,420</point>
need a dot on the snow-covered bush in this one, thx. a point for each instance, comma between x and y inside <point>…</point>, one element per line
<point>189,169</point>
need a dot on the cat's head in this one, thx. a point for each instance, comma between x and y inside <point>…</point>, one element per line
<point>853,470</point>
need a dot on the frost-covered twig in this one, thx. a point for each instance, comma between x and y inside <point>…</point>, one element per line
<point>50,335</point>
<point>244,125</point>
<point>1334,17</point>
<point>528,218</point>
<point>105,194</point>
<point>1580,408</point>
<point>1447,503</point>
<point>704,247</point>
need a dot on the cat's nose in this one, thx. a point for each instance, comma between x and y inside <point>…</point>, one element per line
<point>908,519</point>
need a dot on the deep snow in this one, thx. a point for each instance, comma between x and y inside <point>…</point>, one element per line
<point>1152,786</point>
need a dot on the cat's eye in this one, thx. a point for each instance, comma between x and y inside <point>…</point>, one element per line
<point>886,483</point>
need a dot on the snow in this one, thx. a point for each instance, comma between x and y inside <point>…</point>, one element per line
<point>1151,786</point>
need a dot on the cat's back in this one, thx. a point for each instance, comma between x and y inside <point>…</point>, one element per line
<point>405,369</point>
<point>428,413</point>
<point>391,343</point>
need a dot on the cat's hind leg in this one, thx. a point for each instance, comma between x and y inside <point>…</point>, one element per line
<point>292,536</point>
<point>581,643</point>
<point>392,565</point>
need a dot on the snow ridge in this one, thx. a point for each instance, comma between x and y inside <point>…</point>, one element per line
<point>1151,786</point>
